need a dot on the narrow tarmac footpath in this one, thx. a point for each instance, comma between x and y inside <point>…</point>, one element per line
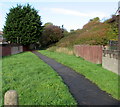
<point>84,91</point>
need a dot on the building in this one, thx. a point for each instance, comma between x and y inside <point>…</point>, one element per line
<point>2,40</point>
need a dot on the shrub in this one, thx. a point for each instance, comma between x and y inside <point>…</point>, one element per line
<point>51,34</point>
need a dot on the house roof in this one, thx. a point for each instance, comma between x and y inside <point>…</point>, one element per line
<point>2,40</point>
<point>1,32</point>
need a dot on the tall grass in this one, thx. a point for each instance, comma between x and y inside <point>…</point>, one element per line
<point>104,79</point>
<point>36,82</point>
<point>61,50</point>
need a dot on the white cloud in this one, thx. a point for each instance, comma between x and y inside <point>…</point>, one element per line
<point>77,13</point>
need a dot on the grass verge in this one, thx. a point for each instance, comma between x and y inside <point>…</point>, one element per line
<point>104,79</point>
<point>35,81</point>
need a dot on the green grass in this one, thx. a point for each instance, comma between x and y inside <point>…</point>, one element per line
<point>104,79</point>
<point>0,81</point>
<point>35,81</point>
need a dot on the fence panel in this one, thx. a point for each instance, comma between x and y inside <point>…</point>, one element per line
<point>11,49</point>
<point>90,53</point>
<point>6,50</point>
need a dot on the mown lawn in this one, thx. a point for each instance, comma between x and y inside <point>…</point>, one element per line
<point>36,82</point>
<point>104,79</point>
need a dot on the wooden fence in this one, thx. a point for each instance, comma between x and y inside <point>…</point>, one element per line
<point>6,50</point>
<point>90,53</point>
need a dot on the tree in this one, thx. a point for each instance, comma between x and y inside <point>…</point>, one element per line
<point>95,19</point>
<point>114,25</point>
<point>23,25</point>
<point>48,24</point>
<point>51,34</point>
<point>72,30</point>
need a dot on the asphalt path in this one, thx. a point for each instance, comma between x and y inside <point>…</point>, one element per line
<point>83,90</point>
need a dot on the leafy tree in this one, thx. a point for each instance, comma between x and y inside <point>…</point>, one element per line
<point>72,30</point>
<point>51,34</point>
<point>23,25</point>
<point>95,19</point>
<point>48,24</point>
<point>114,25</point>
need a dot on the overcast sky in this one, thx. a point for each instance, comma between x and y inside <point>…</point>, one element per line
<point>73,14</point>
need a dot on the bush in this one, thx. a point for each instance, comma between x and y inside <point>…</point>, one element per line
<point>51,34</point>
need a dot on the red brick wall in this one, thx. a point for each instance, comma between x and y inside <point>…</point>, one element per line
<point>90,53</point>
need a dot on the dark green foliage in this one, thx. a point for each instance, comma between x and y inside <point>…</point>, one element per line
<point>51,35</point>
<point>114,25</point>
<point>23,25</point>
